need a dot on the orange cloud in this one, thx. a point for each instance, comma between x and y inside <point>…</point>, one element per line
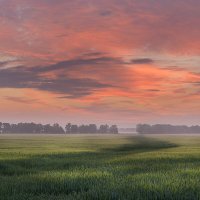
<point>100,58</point>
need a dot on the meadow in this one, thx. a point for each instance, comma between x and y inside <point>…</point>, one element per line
<point>89,167</point>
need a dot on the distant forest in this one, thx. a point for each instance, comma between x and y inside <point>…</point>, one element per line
<point>166,129</point>
<point>56,128</point>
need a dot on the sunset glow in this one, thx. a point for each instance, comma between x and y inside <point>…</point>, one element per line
<point>113,61</point>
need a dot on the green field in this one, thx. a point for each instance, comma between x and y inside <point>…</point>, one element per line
<point>99,167</point>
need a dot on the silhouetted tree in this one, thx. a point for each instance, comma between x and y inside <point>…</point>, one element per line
<point>113,129</point>
<point>1,124</point>
<point>55,128</point>
<point>104,129</point>
<point>68,128</point>
<point>92,128</point>
<point>83,129</point>
<point>143,128</point>
<point>6,128</point>
<point>74,128</point>
<point>166,129</point>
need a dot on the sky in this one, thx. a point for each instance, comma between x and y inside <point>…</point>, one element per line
<point>100,61</point>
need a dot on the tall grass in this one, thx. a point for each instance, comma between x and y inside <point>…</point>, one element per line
<point>99,167</point>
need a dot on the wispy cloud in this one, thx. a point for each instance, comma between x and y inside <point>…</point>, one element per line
<point>94,56</point>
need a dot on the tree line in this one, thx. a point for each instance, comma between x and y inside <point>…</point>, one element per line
<point>91,128</point>
<point>56,128</point>
<point>166,129</point>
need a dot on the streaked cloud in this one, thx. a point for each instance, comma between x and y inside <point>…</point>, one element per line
<point>142,61</point>
<point>135,59</point>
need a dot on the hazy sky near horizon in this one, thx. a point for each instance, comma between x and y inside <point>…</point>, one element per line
<point>114,61</point>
